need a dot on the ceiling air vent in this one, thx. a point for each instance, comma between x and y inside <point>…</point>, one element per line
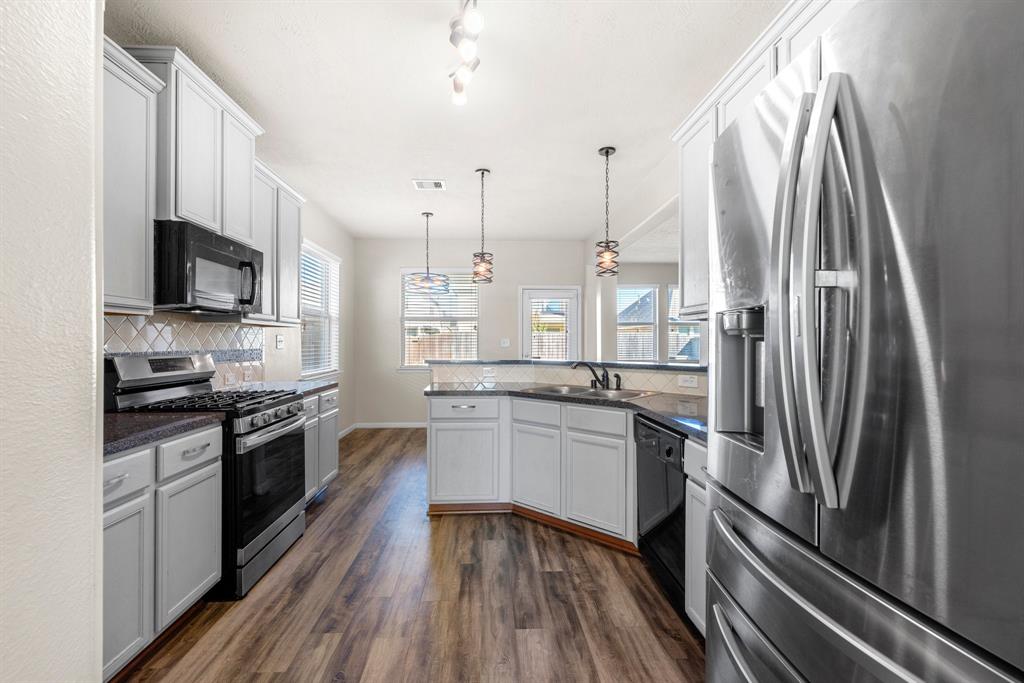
<point>429,184</point>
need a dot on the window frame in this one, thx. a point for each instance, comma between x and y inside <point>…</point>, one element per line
<point>702,334</point>
<point>656,324</point>
<point>402,367</point>
<point>323,254</point>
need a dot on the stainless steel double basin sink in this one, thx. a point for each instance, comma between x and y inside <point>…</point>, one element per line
<point>587,392</point>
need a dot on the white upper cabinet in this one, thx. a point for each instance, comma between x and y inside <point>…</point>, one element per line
<point>129,180</point>
<point>205,148</point>
<point>264,223</point>
<point>694,204</point>
<point>805,29</point>
<point>239,165</point>
<point>289,248</point>
<point>742,90</point>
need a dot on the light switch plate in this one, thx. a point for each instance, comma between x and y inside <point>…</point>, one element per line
<point>247,376</point>
<point>505,342</point>
<point>689,381</point>
<point>229,379</point>
<point>279,342</point>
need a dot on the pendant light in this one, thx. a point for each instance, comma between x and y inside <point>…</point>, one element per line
<point>483,261</point>
<point>607,249</point>
<point>432,283</point>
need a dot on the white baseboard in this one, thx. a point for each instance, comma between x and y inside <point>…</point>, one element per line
<point>387,425</point>
<point>345,431</point>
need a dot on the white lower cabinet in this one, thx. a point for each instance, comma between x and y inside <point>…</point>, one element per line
<point>536,467</point>
<point>696,554</point>
<point>127,581</point>
<point>312,457</point>
<point>327,452</point>
<point>188,538</point>
<point>464,461</point>
<point>595,487</point>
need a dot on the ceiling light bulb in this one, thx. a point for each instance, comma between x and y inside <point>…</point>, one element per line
<point>467,49</point>
<point>464,74</point>
<point>458,94</point>
<point>473,21</point>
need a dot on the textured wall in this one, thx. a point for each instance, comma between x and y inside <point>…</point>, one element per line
<point>50,504</point>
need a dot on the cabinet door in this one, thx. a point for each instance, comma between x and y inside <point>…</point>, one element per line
<point>239,165</point>
<point>536,467</point>
<point>745,87</point>
<point>129,190</point>
<point>696,551</point>
<point>312,458</point>
<point>464,461</point>
<point>595,492</point>
<point>808,27</point>
<point>694,204</point>
<point>289,246</point>
<point>127,582</point>
<point>188,550</point>
<point>328,449</point>
<point>264,224</point>
<point>198,173</point>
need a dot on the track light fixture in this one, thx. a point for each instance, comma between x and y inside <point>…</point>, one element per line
<point>465,28</point>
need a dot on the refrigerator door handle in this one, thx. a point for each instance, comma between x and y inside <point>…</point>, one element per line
<point>833,88</point>
<point>779,295</point>
<point>874,661</point>
<point>732,648</point>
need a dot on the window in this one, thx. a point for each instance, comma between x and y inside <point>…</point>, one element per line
<point>636,337</point>
<point>440,326</point>
<point>683,335</point>
<point>320,292</point>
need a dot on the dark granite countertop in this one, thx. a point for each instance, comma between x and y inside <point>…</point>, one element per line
<point>306,387</point>
<point>680,412</point>
<point>125,431</point>
<point>620,365</point>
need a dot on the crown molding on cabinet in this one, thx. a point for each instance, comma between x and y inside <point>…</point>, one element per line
<point>116,54</point>
<point>262,167</point>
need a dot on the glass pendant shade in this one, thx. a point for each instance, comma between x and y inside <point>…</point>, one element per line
<point>483,267</point>
<point>607,258</point>
<point>432,283</point>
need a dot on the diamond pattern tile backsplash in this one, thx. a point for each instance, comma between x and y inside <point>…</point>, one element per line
<point>664,381</point>
<point>237,349</point>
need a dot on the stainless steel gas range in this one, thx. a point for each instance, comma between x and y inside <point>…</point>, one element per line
<point>264,482</point>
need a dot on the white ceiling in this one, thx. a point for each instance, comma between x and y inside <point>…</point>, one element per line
<point>355,99</point>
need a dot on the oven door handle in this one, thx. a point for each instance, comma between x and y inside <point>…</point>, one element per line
<point>246,443</point>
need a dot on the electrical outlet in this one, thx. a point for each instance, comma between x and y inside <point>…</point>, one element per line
<point>689,381</point>
<point>488,373</point>
<point>505,342</point>
<point>279,342</point>
<point>229,379</point>
<point>247,376</point>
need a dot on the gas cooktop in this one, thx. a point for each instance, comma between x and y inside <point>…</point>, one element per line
<point>236,401</point>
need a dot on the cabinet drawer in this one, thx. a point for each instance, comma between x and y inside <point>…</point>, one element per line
<point>127,476</point>
<point>463,407</point>
<point>311,407</point>
<point>187,452</point>
<point>540,412</point>
<point>695,460</point>
<point>596,420</point>
<point>328,400</point>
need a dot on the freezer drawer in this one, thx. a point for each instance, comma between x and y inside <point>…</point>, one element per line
<point>736,648</point>
<point>826,623</point>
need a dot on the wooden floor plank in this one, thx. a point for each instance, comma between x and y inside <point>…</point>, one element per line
<point>377,591</point>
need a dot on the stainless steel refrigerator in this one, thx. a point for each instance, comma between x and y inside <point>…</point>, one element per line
<point>866,440</point>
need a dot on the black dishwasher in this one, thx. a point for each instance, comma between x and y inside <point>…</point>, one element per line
<point>661,506</point>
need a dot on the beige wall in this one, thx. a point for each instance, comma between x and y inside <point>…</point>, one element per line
<point>387,394</point>
<point>50,457</point>
<point>286,364</point>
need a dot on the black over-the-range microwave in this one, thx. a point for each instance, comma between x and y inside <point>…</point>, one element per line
<point>199,270</point>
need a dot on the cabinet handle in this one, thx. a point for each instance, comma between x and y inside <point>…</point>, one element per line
<point>115,480</point>
<point>195,450</point>
<point>464,407</point>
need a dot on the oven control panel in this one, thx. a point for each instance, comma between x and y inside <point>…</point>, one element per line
<point>269,416</point>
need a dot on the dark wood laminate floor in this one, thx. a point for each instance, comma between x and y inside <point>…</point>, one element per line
<point>377,591</point>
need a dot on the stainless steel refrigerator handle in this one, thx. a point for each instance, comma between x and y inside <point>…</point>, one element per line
<point>808,389</point>
<point>779,295</point>
<point>247,443</point>
<point>874,661</point>
<point>731,646</point>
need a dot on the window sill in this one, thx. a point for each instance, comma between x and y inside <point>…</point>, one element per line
<point>320,374</point>
<point>413,368</point>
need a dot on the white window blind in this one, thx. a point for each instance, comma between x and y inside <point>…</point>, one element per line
<point>320,291</point>
<point>637,312</point>
<point>683,336</point>
<point>549,331</point>
<point>440,326</point>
